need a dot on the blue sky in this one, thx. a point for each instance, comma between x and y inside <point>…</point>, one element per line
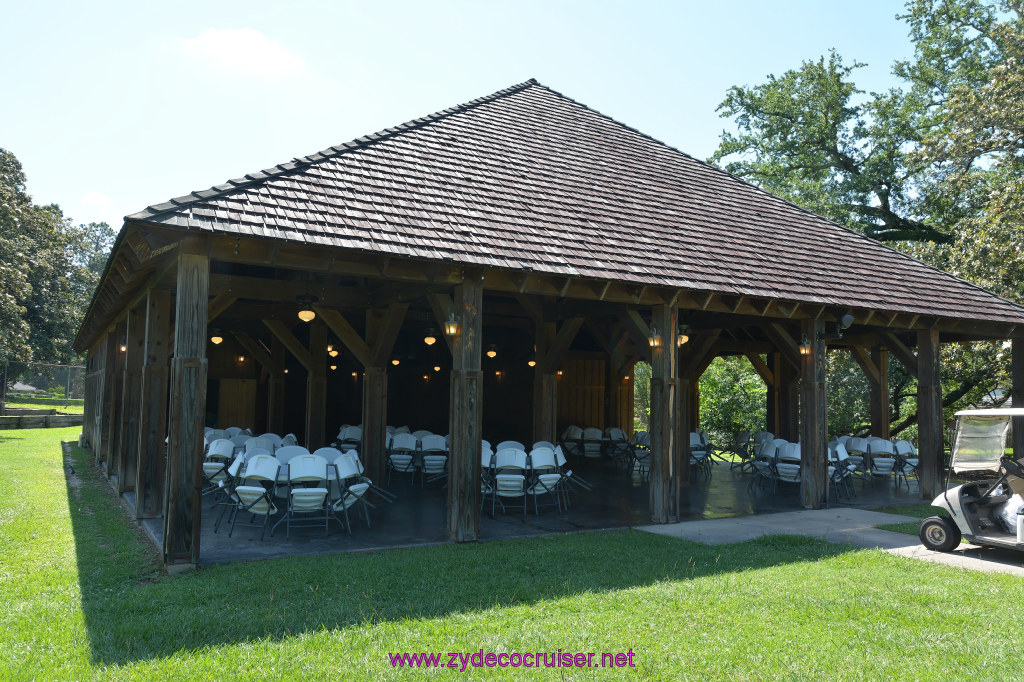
<point>112,106</point>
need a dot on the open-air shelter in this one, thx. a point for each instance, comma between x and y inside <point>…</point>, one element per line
<point>522,223</point>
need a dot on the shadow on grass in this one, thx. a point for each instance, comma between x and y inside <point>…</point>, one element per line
<point>133,612</point>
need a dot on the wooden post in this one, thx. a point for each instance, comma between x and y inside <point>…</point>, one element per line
<point>149,484</point>
<point>183,484</point>
<point>773,414</point>
<point>664,415</point>
<point>107,357</point>
<point>880,394</point>
<point>115,376</point>
<point>375,414</point>
<point>1017,394</point>
<point>127,454</point>
<point>276,388</point>
<point>545,387</point>
<point>814,419</point>
<point>316,387</point>
<point>929,412</point>
<point>466,415</point>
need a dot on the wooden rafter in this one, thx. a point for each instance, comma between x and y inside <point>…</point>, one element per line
<point>294,346</point>
<point>346,333</point>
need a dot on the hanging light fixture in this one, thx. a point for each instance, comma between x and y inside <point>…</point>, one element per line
<point>683,336</point>
<point>430,339</point>
<point>241,359</point>
<point>334,367</point>
<point>492,352</point>
<point>355,375</point>
<point>805,345</point>
<point>216,339</point>
<point>451,325</point>
<point>333,352</point>
<point>655,338</point>
<point>306,302</point>
<point>395,361</point>
<point>531,362</point>
<point>286,371</point>
<point>437,368</point>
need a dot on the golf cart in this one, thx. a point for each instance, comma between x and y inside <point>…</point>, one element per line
<point>984,512</point>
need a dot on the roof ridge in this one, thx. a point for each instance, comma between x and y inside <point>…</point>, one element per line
<point>299,163</point>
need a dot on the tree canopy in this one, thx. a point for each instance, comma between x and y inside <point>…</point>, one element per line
<point>935,166</point>
<point>49,268</point>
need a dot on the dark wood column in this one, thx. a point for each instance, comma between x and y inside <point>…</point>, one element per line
<point>880,394</point>
<point>127,453</point>
<point>375,415</point>
<point>665,415</point>
<point>773,417</point>
<point>183,484</point>
<point>276,388</point>
<point>465,415</point>
<point>929,412</point>
<point>553,343</point>
<point>104,393</point>
<point>875,365</point>
<point>115,377</point>
<point>1017,395</point>
<point>149,482</point>
<point>316,387</point>
<point>545,386</point>
<point>814,421</point>
<point>789,403</point>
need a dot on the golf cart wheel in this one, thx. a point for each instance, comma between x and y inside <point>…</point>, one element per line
<point>939,534</point>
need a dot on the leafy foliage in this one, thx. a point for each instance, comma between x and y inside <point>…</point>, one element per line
<point>937,167</point>
<point>732,398</point>
<point>48,271</point>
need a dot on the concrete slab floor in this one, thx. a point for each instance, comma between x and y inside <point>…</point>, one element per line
<point>620,499</point>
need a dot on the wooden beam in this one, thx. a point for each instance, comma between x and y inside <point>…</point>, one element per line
<point>1017,394</point>
<point>183,485</point>
<point>788,348</point>
<point>347,334</point>
<point>880,394</point>
<point>761,367</point>
<point>666,448</point>
<point>294,346</point>
<point>316,387</point>
<point>255,350</point>
<point>388,333</point>
<point>219,304</point>
<point>127,456</point>
<point>441,305</point>
<point>814,422</point>
<point>560,346</point>
<point>466,416</point>
<point>532,307</point>
<point>149,483</point>
<point>697,351</point>
<point>929,413</point>
<point>863,358</point>
<point>902,353</point>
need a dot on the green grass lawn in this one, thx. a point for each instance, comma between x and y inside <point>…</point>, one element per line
<point>84,599</point>
<point>921,511</point>
<point>75,406</point>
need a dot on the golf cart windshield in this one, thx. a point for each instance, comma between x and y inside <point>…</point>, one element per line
<point>981,438</point>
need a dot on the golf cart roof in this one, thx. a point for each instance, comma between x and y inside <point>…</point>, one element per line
<point>994,412</point>
<point>981,438</point>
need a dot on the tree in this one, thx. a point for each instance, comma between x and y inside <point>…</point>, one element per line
<point>49,269</point>
<point>936,166</point>
<point>805,137</point>
<point>732,399</point>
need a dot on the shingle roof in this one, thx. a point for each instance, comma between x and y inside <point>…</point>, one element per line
<point>528,179</point>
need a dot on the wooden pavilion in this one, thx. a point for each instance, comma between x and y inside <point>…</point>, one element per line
<point>528,225</point>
